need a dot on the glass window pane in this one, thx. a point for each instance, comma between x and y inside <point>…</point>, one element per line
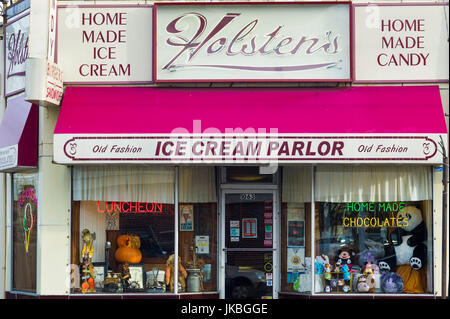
<point>295,230</point>
<point>373,229</point>
<point>247,275</point>
<point>197,235</point>
<point>123,228</point>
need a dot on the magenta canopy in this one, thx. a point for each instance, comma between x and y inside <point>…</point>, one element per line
<point>142,110</point>
<point>147,125</point>
<point>19,136</point>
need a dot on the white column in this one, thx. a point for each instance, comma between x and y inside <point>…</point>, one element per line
<point>54,204</point>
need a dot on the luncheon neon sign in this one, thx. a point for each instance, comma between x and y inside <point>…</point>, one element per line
<point>134,208</point>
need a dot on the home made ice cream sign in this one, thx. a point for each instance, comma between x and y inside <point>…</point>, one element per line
<point>103,44</point>
<point>239,42</point>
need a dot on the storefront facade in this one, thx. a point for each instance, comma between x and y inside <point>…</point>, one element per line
<point>213,146</point>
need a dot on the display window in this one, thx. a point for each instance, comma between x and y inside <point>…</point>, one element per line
<point>197,235</point>
<point>373,229</point>
<point>24,232</point>
<point>123,228</point>
<point>296,266</point>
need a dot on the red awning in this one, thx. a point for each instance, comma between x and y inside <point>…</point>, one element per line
<point>19,136</point>
<point>154,125</point>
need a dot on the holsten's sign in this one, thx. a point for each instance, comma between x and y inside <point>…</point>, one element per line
<point>252,42</point>
<point>401,42</point>
<point>102,44</point>
<point>225,148</point>
<point>16,53</point>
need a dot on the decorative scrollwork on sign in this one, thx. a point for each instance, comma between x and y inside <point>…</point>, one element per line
<point>73,148</point>
<point>426,148</point>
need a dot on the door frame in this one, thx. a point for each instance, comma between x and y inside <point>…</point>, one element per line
<point>257,189</point>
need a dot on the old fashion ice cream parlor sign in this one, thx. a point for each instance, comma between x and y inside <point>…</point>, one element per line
<point>250,148</point>
<point>252,42</point>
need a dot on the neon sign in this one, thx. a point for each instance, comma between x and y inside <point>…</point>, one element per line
<point>135,208</point>
<point>26,200</point>
<point>369,222</point>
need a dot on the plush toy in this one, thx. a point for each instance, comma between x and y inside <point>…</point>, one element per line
<point>345,256</point>
<point>371,263</point>
<point>391,283</point>
<point>366,283</point>
<point>170,273</point>
<point>411,249</point>
<point>346,272</point>
<point>327,277</point>
<point>320,262</point>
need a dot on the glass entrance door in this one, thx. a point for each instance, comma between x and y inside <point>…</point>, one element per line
<point>249,254</point>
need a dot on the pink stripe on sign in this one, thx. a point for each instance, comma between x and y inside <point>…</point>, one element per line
<point>156,110</point>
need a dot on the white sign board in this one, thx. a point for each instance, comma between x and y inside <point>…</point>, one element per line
<point>104,44</point>
<point>8,157</point>
<point>16,53</point>
<point>252,42</point>
<point>264,149</point>
<point>401,43</point>
<point>44,82</point>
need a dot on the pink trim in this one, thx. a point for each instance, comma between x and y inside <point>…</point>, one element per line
<point>343,110</point>
<point>398,4</point>
<point>156,80</point>
<point>104,5</point>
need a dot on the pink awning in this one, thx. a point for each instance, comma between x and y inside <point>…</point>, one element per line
<point>19,136</point>
<point>148,114</point>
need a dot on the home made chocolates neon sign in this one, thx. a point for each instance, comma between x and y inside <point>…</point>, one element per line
<point>134,208</point>
<point>370,222</point>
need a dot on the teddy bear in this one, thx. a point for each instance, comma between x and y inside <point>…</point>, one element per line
<point>410,248</point>
<point>365,284</point>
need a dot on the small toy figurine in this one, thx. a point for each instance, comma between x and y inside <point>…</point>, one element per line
<point>327,272</point>
<point>125,275</point>
<point>88,243</point>
<point>87,269</point>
